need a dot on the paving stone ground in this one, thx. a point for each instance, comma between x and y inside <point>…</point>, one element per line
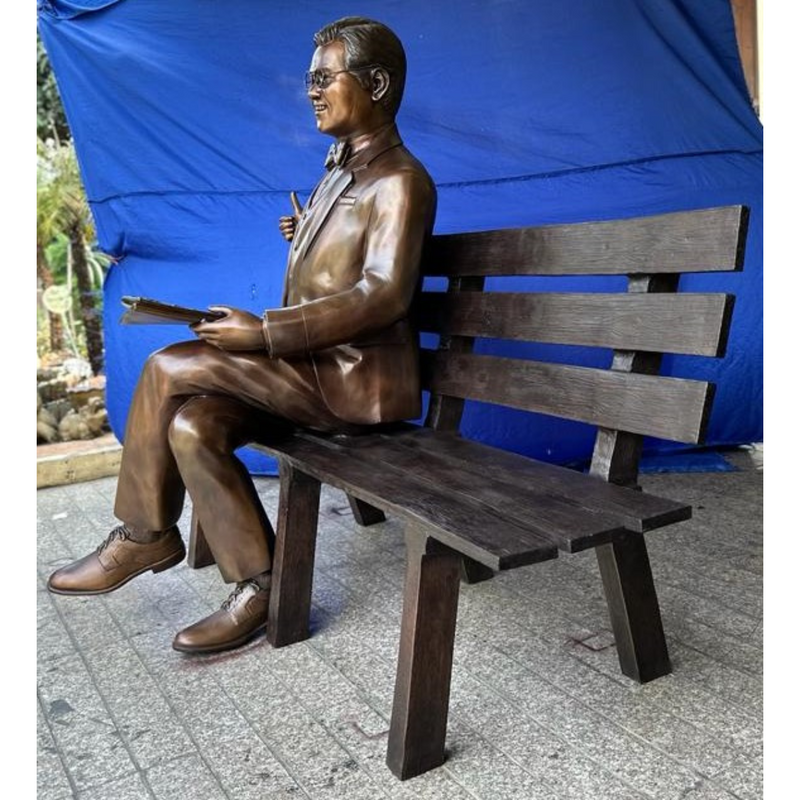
<point>538,707</point>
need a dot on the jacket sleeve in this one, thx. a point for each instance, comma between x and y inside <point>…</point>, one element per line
<point>400,220</point>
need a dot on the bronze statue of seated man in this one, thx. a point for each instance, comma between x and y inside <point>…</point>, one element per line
<point>338,355</point>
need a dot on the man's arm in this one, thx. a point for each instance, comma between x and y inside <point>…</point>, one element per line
<point>401,218</point>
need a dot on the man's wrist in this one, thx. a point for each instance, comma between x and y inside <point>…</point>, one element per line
<point>284,331</point>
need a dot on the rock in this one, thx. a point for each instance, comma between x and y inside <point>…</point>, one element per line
<point>70,402</point>
<point>46,423</point>
<point>45,433</point>
<point>77,367</point>
<point>46,417</point>
<point>59,408</point>
<point>96,416</point>
<point>74,427</point>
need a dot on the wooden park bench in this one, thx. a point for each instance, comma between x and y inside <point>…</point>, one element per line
<point>469,508</point>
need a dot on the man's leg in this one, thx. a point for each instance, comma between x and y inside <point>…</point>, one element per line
<point>203,436</point>
<point>149,495</point>
<point>169,444</point>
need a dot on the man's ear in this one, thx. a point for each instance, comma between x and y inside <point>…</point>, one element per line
<point>379,83</point>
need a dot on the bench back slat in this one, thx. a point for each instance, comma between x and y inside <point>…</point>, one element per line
<point>694,324</point>
<point>607,398</point>
<point>706,240</point>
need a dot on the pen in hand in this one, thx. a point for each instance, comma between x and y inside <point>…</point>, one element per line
<point>288,224</point>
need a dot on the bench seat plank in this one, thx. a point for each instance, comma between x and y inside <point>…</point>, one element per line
<point>467,526</point>
<point>554,509</point>
<point>638,511</point>
<point>430,477</point>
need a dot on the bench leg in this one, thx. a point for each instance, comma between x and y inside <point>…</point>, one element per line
<point>200,554</point>
<point>293,565</point>
<point>364,513</point>
<point>633,607</point>
<point>474,572</point>
<point>422,688</point>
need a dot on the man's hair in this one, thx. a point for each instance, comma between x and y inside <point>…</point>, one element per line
<point>369,43</point>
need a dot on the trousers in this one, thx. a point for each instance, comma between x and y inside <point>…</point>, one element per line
<point>193,406</point>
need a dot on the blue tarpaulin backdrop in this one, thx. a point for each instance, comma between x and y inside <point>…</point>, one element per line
<point>192,125</point>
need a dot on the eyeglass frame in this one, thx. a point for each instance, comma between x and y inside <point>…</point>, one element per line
<point>310,77</point>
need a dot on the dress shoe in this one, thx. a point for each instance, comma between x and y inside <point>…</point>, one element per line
<point>242,616</point>
<point>116,561</point>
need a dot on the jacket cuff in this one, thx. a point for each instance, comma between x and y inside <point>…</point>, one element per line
<point>284,331</point>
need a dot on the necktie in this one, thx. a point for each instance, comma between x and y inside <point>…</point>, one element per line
<point>337,155</point>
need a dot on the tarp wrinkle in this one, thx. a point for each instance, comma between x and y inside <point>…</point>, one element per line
<point>192,125</point>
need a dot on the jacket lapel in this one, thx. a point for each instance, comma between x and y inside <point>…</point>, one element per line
<point>320,211</point>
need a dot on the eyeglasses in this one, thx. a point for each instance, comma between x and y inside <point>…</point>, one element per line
<point>320,79</point>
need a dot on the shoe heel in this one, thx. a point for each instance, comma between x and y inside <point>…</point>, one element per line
<point>169,562</point>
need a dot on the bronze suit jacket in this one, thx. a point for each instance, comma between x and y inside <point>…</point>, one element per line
<point>351,277</point>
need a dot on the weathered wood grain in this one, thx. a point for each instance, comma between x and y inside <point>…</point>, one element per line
<point>425,661</point>
<point>633,609</point>
<point>637,511</point>
<point>199,554</point>
<point>464,524</point>
<point>624,564</point>
<point>444,413</point>
<point>706,240</point>
<point>666,323</point>
<point>669,408</point>
<point>293,566</point>
<point>554,505</point>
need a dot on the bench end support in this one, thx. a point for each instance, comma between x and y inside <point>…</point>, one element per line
<point>633,607</point>
<point>290,599</point>
<point>422,688</point>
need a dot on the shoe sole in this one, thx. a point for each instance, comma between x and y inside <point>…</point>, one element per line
<point>159,566</point>
<point>219,648</point>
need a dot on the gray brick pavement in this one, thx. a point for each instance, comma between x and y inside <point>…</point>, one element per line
<point>539,708</point>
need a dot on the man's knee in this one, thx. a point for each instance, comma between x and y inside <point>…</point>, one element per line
<point>189,433</point>
<point>172,365</point>
<point>198,428</point>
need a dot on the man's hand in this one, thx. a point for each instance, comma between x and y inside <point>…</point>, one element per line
<point>237,330</point>
<point>288,225</point>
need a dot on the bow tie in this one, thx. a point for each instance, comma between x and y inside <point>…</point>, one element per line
<point>338,153</point>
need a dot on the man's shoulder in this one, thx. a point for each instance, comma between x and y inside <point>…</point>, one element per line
<point>399,165</point>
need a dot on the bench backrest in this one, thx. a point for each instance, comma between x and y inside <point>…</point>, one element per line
<point>628,400</point>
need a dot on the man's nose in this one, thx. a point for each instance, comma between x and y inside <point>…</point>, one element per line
<point>313,92</point>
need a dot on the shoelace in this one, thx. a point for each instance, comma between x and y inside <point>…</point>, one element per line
<point>120,532</point>
<point>240,587</point>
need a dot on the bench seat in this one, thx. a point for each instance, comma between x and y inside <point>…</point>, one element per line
<point>498,508</point>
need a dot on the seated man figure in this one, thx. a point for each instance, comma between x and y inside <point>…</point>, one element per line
<point>337,356</point>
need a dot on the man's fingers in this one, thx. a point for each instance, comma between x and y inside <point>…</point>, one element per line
<point>298,209</point>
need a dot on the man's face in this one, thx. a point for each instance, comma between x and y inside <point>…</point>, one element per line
<point>343,107</point>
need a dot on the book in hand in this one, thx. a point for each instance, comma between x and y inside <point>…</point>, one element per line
<point>144,311</point>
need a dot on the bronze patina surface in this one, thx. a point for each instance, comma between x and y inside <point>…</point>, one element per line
<point>338,354</point>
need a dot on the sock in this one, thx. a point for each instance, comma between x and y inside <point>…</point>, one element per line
<point>263,580</point>
<point>142,535</point>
